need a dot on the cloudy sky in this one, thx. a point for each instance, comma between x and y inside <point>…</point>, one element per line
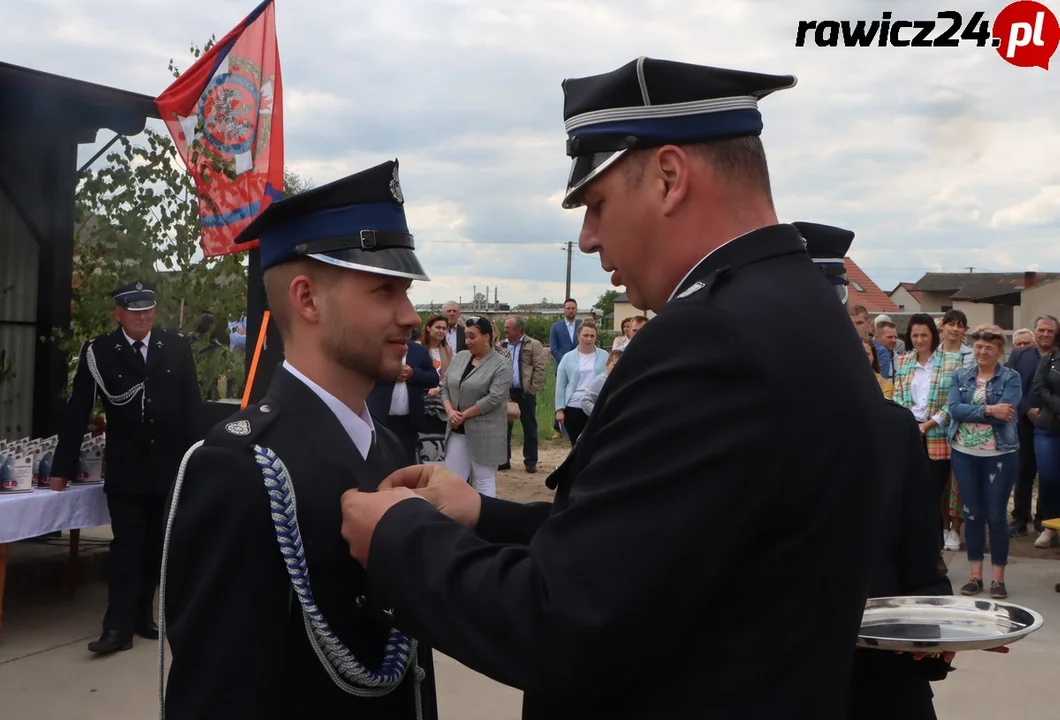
<point>939,158</point>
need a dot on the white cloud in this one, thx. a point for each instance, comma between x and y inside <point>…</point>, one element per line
<point>938,158</point>
<point>1042,209</point>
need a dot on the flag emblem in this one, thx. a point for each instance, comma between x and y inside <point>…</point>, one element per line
<point>225,115</point>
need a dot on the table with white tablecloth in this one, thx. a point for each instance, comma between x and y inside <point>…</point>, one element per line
<point>42,511</point>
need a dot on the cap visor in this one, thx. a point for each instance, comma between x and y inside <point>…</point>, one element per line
<point>582,172</point>
<point>397,262</point>
<point>136,305</point>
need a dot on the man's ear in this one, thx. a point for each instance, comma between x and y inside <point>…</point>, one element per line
<point>303,294</point>
<point>672,166</point>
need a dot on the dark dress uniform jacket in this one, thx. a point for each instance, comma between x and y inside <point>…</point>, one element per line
<point>695,562</point>
<point>145,443</point>
<point>905,558</point>
<point>240,648</point>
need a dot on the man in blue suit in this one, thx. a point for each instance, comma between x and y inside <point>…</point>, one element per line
<point>399,405</point>
<point>562,338</point>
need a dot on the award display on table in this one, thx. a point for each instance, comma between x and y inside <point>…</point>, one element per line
<point>26,464</point>
<point>90,462</point>
<point>16,465</point>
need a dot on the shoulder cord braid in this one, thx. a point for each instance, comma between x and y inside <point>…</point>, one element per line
<point>126,397</point>
<point>345,671</point>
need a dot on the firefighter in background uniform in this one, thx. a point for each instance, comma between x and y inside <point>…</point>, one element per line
<point>905,549</point>
<point>145,378</point>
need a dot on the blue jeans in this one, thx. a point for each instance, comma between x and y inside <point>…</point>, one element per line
<point>985,483</point>
<point>1047,453</point>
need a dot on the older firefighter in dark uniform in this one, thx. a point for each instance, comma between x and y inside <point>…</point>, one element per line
<point>905,549</point>
<point>267,614</point>
<point>646,589</point>
<point>145,378</point>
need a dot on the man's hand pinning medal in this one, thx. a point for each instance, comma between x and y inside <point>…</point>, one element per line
<point>446,491</point>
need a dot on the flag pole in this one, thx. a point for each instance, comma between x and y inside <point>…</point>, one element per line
<point>257,356</point>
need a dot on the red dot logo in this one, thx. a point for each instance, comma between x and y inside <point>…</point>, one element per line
<point>1026,34</point>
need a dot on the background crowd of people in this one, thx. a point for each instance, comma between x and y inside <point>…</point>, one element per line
<point>990,426</point>
<point>485,379</point>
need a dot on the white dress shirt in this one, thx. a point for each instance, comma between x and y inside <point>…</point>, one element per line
<point>399,400</point>
<point>450,337</point>
<point>570,330</point>
<point>515,349</point>
<point>358,426</point>
<point>919,388</point>
<point>147,339</point>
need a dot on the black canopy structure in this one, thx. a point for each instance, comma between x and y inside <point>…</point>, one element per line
<point>43,120</point>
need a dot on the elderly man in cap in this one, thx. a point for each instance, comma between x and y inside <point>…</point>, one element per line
<point>267,615</point>
<point>145,379</point>
<point>645,589</point>
<point>903,555</point>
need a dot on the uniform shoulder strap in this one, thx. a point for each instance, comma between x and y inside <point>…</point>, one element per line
<point>242,430</point>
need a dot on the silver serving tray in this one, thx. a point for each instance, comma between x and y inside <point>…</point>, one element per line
<point>944,624</point>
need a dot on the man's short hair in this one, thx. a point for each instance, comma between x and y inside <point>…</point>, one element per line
<point>614,355</point>
<point>885,324</point>
<point>1023,331</point>
<point>740,160</point>
<point>881,319</point>
<point>639,319</point>
<point>450,304</point>
<point>856,310</point>
<point>1046,318</point>
<point>278,283</point>
<point>519,320</point>
<point>570,300</point>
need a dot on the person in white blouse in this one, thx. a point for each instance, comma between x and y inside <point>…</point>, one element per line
<point>576,371</point>
<point>623,337</point>
<point>922,381</point>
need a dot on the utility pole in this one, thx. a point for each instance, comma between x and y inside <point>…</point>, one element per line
<point>570,251</point>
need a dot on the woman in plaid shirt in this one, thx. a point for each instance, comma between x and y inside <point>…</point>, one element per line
<point>922,382</point>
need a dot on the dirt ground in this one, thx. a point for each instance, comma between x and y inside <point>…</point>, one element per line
<point>519,485</point>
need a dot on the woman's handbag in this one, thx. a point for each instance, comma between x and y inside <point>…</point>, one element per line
<point>513,411</point>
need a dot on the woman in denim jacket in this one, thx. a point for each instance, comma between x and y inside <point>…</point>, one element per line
<point>982,435</point>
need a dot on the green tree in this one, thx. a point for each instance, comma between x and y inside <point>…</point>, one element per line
<point>606,302</point>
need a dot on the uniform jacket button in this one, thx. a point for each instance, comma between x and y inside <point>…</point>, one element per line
<point>361,601</point>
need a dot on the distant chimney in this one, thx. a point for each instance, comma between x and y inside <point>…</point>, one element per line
<point>1030,279</point>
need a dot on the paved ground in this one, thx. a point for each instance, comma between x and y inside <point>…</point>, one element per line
<point>47,674</point>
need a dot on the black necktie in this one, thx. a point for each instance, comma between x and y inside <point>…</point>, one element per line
<point>138,346</point>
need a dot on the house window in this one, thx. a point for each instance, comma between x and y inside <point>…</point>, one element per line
<point>1003,317</point>
<point>901,307</point>
<point>857,287</point>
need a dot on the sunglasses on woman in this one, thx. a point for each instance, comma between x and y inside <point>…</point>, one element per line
<point>987,336</point>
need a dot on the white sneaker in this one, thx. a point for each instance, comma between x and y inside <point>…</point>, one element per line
<point>953,540</point>
<point>1045,540</point>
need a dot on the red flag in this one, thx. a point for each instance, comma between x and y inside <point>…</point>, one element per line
<point>225,116</point>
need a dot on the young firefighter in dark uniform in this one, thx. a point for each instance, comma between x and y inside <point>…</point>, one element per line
<point>267,615</point>
<point>904,560</point>
<point>145,378</point>
<point>645,590</point>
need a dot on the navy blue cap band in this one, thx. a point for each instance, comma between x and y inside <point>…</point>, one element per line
<point>277,243</point>
<point>624,134</point>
